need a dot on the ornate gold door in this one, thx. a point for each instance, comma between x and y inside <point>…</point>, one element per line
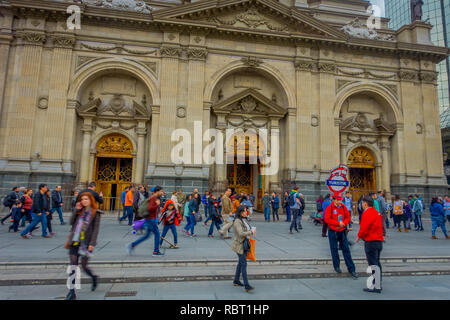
<point>361,163</point>
<point>113,169</point>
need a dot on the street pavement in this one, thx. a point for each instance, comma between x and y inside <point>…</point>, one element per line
<point>273,241</point>
<point>398,288</point>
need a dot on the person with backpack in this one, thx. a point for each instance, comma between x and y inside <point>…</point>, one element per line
<point>227,212</point>
<point>265,201</point>
<point>418,210</point>
<point>151,223</point>
<point>295,208</point>
<point>57,204</point>
<point>275,202</point>
<point>186,212</point>
<point>9,201</point>
<point>301,201</point>
<point>437,218</point>
<point>170,217</point>
<point>27,202</point>
<point>138,199</point>
<point>216,218</point>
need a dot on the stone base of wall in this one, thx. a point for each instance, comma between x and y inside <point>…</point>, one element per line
<point>10,179</point>
<point>170,184</point>
<point>426,192</point>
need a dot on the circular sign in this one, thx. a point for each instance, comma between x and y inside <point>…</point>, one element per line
<point>338,182</point>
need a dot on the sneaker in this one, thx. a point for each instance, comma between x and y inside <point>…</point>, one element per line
<point>47,236</point>
<point>210,235</point>
<point>338,270</point>
<point>433,237</point>
<point>193,235</point>
<point>249,288</point>
<point>354,275</point>
<point>205,223</point>
<point>26,236</point>
<point>406,230</point>
<point>63,223</point>
<point>238,284</point>
<point>130,249</point>
<point>175,246</point>
<point>52,234</point>
<point>447,237</point>
<point>156,254</point>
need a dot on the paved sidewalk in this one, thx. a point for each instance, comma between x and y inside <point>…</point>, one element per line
<point>395,288</point>
<point>273,241</point>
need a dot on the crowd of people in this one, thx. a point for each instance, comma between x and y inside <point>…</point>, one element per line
<point>228,211</point>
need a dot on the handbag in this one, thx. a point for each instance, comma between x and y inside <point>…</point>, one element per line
<point>251,252</point>
<point>247,245</point>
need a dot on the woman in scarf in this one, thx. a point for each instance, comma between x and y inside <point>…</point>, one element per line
<point>82,239</point>
<point>242,231</point>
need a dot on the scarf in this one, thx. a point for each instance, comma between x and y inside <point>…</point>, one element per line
<point>81,227</point>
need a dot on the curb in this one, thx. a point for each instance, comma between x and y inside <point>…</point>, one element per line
<point>218,262</point>
<point>27,282</point>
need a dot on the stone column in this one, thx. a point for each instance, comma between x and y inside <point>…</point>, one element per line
<point>5,45</point>
<point>386,167</point>
<point>141,132</point>
<point>70,127</point>
<point>92,155</point>
<point>274,180</point>
<point>343,144</point>
<point>291,144</point>
<point>59,84</point>
<point>85,151</point>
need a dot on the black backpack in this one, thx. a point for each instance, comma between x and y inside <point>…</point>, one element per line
<point>7,201</point>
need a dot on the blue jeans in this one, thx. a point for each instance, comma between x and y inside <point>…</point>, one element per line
<point>188,222</point>
<point>192,223</point>
<point>168,227</point>
<point>438,222</point>
<point>206,211</point>
<point>339,236</point>
<point>418,221</point>
<point>151,225</point>
<point>214,223</point>
<point>35,220</point>
<point>60,213</point>
<point>288,213</point>
<point>267,214</point>
<point>129,214</point>
<point>241,268</point>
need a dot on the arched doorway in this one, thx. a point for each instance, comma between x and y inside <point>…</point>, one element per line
<point>244,152</point>
<point>361,163</point>
<point>113,168</point>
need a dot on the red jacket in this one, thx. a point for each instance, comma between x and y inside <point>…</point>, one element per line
<point>331,216</point>
<point>153,208</point>
<point>371,226</point>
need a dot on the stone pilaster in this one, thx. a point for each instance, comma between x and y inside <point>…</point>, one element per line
<point>169,92</point>
<point>140,156</point>
<point>21,123</point>
<point>85,151</point>
<point>153,140</point>
<point>59,83</point>
<point>386,165</point>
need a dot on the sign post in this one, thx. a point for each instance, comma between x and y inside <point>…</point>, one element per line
<point>338,181</point>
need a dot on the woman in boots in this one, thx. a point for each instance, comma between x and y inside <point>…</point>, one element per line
<point>241,231</point>
<point>82,239</point>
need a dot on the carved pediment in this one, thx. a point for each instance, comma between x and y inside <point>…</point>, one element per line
<point>249,102</point>
<point>361,124</point>
<point>113,108</point>
<point>258,15</point>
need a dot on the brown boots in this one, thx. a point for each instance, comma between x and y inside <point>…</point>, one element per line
<point>406,230</point>
<point>433,237</point>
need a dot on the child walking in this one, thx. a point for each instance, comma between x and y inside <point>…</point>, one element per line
<point>170,218</point>
<point>16,215</point>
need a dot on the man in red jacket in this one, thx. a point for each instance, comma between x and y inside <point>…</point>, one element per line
<point>337,218</point>
<point>371,231</point>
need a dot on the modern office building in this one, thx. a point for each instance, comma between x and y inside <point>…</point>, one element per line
<point>437,13</point>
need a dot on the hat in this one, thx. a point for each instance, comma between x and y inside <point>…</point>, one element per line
<point>337,196</point>
<point>168,202</point>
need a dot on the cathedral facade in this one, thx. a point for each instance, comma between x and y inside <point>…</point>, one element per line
<point>94,92</point>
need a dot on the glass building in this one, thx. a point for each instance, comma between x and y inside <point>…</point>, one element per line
<point>437,13</point>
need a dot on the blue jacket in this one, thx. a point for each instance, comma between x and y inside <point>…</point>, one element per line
<point>325,204</point>
<point>436,210</point>
<point>205,200</point>
<point>122,196</point>
<point>193,206</point>
<point>276,202</point>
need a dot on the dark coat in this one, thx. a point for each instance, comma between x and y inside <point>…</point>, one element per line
<point>91,233</point>
<point>39,204</point>
<point>56,199</point>
<point>95,194</point>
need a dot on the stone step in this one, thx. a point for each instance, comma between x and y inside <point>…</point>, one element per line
<point>154,273</point>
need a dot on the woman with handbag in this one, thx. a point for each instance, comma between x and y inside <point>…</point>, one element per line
<point>82,239</point>
<point>241,245</point>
